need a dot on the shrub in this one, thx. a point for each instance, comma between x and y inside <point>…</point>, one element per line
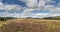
<point>3,19</point>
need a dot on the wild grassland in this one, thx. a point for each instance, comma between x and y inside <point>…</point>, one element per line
<point>30,25</point>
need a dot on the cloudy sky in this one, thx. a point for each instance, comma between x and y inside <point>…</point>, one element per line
<point>29,8</point>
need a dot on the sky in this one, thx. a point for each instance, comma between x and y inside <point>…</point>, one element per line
<point>29,8</point>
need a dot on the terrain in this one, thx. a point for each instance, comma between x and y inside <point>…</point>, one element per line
<point>30,25</point>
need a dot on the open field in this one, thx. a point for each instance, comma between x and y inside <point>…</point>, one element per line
<point>30,25</point>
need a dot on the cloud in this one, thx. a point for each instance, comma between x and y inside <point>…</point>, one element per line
<point>41,4</point>
<point>42,15</point>
<point>53,9</point>
<point>30,3</point>
<point>27,11</point>
<point>46,15</point>
<point>16,15</point>
<point>34,5</point>
<point>8,7</point>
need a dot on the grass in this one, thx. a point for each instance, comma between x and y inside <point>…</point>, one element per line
<point>30,25</point>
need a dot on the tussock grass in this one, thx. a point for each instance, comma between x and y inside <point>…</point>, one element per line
<point>31,25</point>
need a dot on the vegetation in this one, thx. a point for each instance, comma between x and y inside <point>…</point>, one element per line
<point>52,18</point>
<point>31,25</point>
<point>2,19</point>
<point>5,18</point>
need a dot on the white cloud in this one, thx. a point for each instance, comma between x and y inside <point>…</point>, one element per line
<point>52,8</point>
<point>42,15</point>
<point>41,4</point>
<point>37,15</point>
<point>32,5</point>
<point>10,7</point>
<point>46,15</point>
<point>10,15</point>
<point>1,6</point>
<point>27,11</point>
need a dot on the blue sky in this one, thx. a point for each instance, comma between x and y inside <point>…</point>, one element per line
<point>29,7</point>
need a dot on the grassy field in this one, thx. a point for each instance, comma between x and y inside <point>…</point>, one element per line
<point>30,25</point>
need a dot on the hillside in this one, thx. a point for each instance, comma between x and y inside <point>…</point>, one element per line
<point>53,18</point>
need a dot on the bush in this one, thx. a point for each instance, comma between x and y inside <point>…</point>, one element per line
<point>3,19</point>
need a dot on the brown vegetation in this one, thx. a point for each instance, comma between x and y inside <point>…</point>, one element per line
<point>31,25</point>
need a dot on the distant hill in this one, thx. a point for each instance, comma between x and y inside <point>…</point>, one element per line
<point>54,18</point>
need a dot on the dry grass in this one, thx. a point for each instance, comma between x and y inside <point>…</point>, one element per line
<point>30,25</point>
